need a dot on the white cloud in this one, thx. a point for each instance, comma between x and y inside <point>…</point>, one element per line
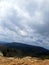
<point>23,33</point>
<point>27,21</point>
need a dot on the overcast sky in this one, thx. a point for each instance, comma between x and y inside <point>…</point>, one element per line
<point>25,21</point>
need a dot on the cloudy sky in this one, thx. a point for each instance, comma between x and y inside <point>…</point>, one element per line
<point>25,21</point>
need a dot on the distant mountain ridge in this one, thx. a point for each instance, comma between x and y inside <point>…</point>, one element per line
<point>20,49</point>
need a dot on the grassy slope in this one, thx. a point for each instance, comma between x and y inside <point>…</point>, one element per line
<point>23,61</point>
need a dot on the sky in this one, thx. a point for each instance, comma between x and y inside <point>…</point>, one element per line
<point>25,21</point>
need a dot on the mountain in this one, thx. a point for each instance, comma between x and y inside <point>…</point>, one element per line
<point>16,49</point>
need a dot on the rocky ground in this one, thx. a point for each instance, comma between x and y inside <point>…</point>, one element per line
<point>23,61</point>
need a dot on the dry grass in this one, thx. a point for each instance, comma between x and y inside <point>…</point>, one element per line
<point>23,61</point>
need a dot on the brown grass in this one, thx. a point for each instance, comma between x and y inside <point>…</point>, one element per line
<point>23,61</point>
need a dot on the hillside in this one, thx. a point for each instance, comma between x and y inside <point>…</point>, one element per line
<point>22,50</point>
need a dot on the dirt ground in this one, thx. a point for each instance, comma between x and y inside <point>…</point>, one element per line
<point>23,61</point>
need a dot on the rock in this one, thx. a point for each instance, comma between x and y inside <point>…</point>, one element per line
<point>1,54</point>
